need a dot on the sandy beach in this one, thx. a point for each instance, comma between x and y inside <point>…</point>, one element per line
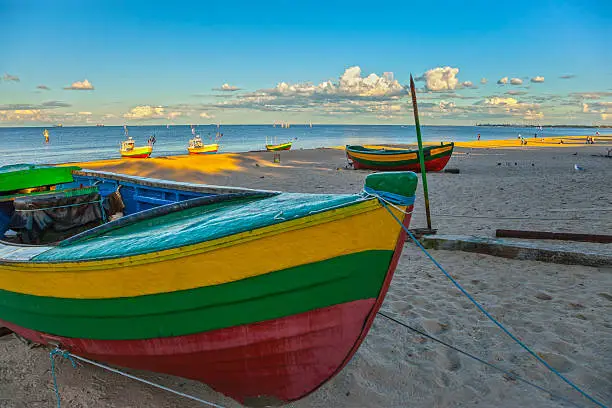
<point>564,312</point>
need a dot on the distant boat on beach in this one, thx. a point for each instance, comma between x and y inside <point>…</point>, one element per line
<point>130,150</point>
<point>177,278</point>
<point>392,159</point>
<point>196,146</point>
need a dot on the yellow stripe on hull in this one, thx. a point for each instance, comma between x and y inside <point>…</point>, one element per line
<point>382,157</point>
<point>440,150</point>
<point>365,226</point>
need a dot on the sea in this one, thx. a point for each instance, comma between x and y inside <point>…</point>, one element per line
<point>85,143</point>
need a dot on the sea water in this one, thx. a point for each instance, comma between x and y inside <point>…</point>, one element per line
<point>73,144</point>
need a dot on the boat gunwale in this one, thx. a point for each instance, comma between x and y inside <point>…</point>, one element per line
<point>168,184</point>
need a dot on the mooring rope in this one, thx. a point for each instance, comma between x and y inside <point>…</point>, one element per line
<point>71,357</point>
<point>487,314</point>
<point>480,360</point>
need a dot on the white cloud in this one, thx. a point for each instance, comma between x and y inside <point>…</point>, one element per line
<point>502,81</point>
<point>174,115</point>
<point>227,88</point>
<point>516,81</point>
<point>10,78</point>
<point>531,114</point>
<point>441,78</point>
<point>351,83</point>
<point>84,85</point>
<point>21,115</point>
<point>85,113</point>
<point>483,81</point>
<point>597,107</point>
<point>446,106</point>
<point>145,112</point>
<point>537,79</point>
<point>497,101</point>
<point>467,84</point>
<point>206,115</point>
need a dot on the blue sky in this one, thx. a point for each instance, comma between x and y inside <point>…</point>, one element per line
<point>148,63</point>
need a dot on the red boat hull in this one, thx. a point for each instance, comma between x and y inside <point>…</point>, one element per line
<point>137,156</point>
<point>285,357</point>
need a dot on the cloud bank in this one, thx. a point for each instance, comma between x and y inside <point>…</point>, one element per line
<point>537,79</point>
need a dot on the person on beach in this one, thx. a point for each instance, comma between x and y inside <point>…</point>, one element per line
<point>479,136</point>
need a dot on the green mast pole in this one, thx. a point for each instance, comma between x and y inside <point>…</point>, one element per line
<point>421,158</point>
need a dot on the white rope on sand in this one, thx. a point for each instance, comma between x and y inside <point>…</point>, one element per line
<point>67,354</point>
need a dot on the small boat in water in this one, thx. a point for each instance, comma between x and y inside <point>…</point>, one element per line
<point>391,159</point>
<point>277,147</point>
<point>169,277</point>
<point>46,135</point>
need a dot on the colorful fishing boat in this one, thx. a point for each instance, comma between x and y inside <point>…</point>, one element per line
<point>277,147</point>
<point>177,282</point>
<point>130,150</point>
<point>391,159</point>
<point>196,146</point>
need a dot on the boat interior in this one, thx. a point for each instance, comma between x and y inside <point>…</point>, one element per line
<point>93,202</point>
<point>101,214</point>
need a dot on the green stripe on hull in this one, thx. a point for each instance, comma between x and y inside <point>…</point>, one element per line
<point>270,296</point>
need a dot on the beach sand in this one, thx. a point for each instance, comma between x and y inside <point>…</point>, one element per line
<point>564,312</point>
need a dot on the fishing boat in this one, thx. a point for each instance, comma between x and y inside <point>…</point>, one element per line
<point>277,147</point>
<point>130,150</point>
<point>177,278</point>
<point>196,146</point>
<point>391,159</point>
<point>46,135</point>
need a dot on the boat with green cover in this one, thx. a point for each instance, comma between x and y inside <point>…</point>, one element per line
<point>188,280</point>
<point>22,176</point>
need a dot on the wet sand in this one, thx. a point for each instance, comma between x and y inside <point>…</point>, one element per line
<point>564,312</point>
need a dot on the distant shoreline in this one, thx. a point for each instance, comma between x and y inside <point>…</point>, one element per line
<point>545,126</point>
<point>299,125</point>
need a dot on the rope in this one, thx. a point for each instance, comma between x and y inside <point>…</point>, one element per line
<point>487,314</point>
<point>67,356</point>
<point>390,198</point>
<point>60,206</point>
<point>473,357</point>
<point>71,357</point>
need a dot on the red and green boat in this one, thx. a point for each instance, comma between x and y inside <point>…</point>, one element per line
<point>175,278</point>
<point>392,159</point>
<point>278,147</point>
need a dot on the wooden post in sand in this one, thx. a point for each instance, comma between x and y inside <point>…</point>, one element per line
<point>421,158</point>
